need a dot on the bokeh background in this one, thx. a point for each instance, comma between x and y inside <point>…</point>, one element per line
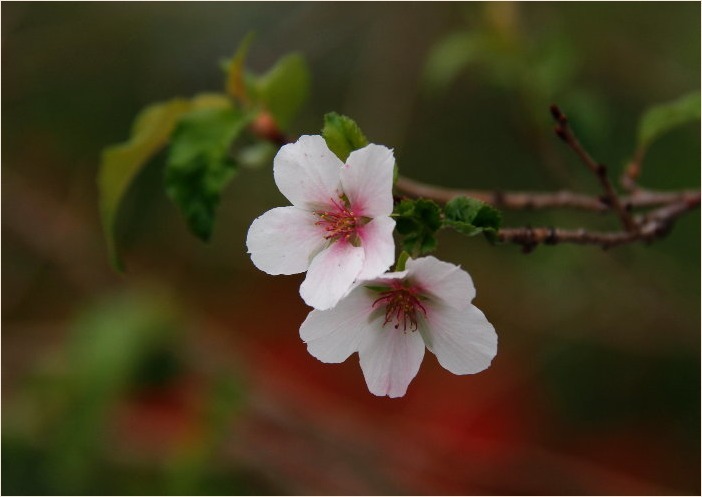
<point>187,375</point>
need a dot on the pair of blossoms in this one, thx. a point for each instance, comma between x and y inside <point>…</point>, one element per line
<point>339,230</point>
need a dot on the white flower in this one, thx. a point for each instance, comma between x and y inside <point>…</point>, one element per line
<point>339,227</point>
<point>391,319</point>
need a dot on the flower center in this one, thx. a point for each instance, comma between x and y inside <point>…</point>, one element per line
<point>340,222</point>
<point>401,306</point>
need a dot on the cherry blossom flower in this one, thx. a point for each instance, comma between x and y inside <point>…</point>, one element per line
<point>338,228</point>
<point>391,319</point>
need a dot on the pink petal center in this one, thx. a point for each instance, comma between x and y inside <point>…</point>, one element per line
<point>402,305</point>
<point>340,222</point>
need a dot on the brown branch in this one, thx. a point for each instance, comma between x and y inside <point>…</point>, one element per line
<point>541,200</point>
<point>646,227</point>
<point>565,133</point>
<point>642,228</point>
<point>650,226</point>
<point>653,225</point>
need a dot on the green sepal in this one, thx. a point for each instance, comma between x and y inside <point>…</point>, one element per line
<point>401,261</point>
<point>376,288</point>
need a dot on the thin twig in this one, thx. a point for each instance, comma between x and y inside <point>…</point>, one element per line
<point>646,227</point>
<point>565,133</point>
<point>540,200</point>
<point>652,225</point>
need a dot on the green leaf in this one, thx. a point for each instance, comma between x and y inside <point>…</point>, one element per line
<point>662,118</point>
<point>107,346</point>
<point>471,217</point>
<point>121,163</point>
<point>113,335</point>
<point>551,64</point>
<point>199,165</point>
<point>235,84</point>
<point>450,56</point>
<point>417,223</point>
<point>342,135</point>
<point>284,88</point>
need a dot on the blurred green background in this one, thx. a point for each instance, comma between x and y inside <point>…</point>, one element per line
<point>186,375</point>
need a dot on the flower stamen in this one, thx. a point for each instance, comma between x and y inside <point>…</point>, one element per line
<point>401,305</point>
<point>340,223</point>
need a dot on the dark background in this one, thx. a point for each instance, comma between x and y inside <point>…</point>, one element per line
<point>187,375</point>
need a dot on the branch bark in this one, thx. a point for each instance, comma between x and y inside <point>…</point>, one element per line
<point>562,199</point>
<point>610,197</point>
<point>650,226</point>
<point>642,228</point>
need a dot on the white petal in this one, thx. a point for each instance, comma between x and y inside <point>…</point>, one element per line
<point>307,172</point>
<point>367,180</point>
<point>390,359</point>
<point>448,283</point>
<point>284,240</point>
<point>398,275</point>
<point>331,275</point>
<point>378,245</point>
<point>333,335</point>
<point>463,341</point>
